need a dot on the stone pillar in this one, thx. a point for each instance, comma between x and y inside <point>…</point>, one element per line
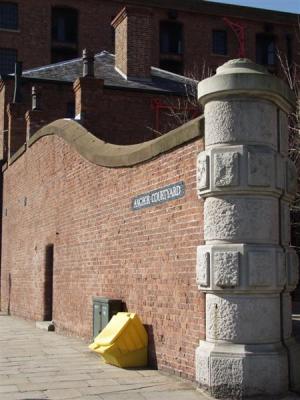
<point>246,267</point>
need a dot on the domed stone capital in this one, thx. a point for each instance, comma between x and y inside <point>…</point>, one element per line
<point>243,77</point>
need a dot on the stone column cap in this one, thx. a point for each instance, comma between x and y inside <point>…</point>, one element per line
<point>245,78</point>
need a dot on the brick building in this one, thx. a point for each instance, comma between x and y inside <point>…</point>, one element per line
<point>186,36</point>
<point>85,218</point>
<point>70,227</point>
<point>122,85</point>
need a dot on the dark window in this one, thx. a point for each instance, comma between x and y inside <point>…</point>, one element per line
<point>63,54</point>
<point>64,25</point>
<point>172,65</point>
<point>265,49</point>
<point>171,38</point>
<point>8,58</point>
<point>8,15</point>
<point>70,110</point>
<point>220,42</point>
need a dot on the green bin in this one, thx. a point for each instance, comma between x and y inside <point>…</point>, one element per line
<point>103,310</point>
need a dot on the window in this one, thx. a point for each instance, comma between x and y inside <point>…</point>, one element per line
<point>171,38</point>
<point>8,58</point>
<point>8,15</point>
<point>265,49</point>
<point>64,34</point>
<point>64,25</point>
<point>220,42</point>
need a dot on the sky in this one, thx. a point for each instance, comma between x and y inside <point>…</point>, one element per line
<point>292,6</point>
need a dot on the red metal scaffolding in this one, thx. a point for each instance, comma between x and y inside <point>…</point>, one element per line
<point>239,30</point>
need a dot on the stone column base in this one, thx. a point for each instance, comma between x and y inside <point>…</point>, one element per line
<point>234,371</point>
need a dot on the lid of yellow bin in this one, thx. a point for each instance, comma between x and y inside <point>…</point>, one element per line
<point>113,329</point>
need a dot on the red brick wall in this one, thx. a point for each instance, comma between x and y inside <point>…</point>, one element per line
<point>124,117</point>
<point>96,34</point>
<point>53,100</point>
<point>197,39</point>
<point>110,111</point>
<point>35,26</point>
<point>147,258</point>
<point>133,42</point>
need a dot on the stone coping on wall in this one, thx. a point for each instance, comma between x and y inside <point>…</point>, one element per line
<point>110,155</point>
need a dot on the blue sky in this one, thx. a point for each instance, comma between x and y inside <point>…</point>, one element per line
<point>292,6</point>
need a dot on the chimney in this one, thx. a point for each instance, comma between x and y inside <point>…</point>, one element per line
<point>133,42</point>
<point>88,92</point>
<point>35,118</point>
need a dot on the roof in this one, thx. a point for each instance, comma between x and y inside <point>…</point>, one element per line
<point>69,71</point>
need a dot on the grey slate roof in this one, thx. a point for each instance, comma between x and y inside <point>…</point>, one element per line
<point>68,71</point>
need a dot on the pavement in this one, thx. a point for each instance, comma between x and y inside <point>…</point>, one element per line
<point>39,365</point>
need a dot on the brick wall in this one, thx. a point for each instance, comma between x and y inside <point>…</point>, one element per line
<point>124,117</point>
<point>99,105</point>
<point>197,39</point>
<point>96,33</point>
<point>54,100</point>
<point>133,42</point>
<point>35,24</point>
<point>146,258</point>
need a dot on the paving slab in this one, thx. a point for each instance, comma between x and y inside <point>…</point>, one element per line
<point>40,365</point>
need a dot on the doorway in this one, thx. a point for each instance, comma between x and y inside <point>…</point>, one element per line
<point>48,283</point>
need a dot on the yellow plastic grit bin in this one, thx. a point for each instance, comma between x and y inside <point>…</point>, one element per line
<point>123,342</point>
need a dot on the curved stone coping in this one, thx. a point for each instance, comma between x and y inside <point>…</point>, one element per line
<point>109,155</point>
<point>243,77</point>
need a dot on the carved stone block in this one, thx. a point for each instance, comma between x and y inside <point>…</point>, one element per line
<point>202,171</point>
<point>226,267</point>
<point>260,168</point>
<point>226,166</point>
<point>228,371</point>
<point>203,267</point>
<point>261,268</point>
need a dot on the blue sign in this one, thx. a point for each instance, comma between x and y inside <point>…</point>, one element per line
<point>158,196</point>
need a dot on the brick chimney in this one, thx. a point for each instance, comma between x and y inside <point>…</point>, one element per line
<point>133,42</point>
<point>88,91</point>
